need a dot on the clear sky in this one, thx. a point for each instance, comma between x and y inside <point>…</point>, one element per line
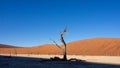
<point>33,22</point>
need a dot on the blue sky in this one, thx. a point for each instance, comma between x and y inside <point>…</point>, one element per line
<point>33,22</point>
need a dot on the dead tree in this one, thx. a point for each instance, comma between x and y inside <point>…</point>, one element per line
<point>64,43</point>
<point>15,52</point>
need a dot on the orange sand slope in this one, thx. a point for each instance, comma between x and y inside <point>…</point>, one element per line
<point>96,46</point>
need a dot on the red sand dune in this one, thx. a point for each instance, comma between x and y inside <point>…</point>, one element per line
<point>96,46</point>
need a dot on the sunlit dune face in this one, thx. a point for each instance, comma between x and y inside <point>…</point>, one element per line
<point>97,46</point>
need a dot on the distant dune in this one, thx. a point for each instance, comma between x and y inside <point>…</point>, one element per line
<point>6,46</point>
<point>96,46</point>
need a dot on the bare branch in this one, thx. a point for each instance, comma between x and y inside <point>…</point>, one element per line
<point>61,35</point>
<point>55,43</point>
<point>64,32</point>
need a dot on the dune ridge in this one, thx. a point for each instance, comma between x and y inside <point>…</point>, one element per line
<point>95,46</point>
<point>7,46</point>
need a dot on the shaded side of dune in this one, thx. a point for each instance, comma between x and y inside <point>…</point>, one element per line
<point>7,46</point>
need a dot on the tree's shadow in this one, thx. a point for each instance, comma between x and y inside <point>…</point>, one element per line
<point>28,62</point>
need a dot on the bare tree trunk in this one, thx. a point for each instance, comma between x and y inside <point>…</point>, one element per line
<point>64,53</point>
<point>15,52</point>
<point>64,49</point>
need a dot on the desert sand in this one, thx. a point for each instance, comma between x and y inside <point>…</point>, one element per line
<point>96,59</point>
<point>35,61</point>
